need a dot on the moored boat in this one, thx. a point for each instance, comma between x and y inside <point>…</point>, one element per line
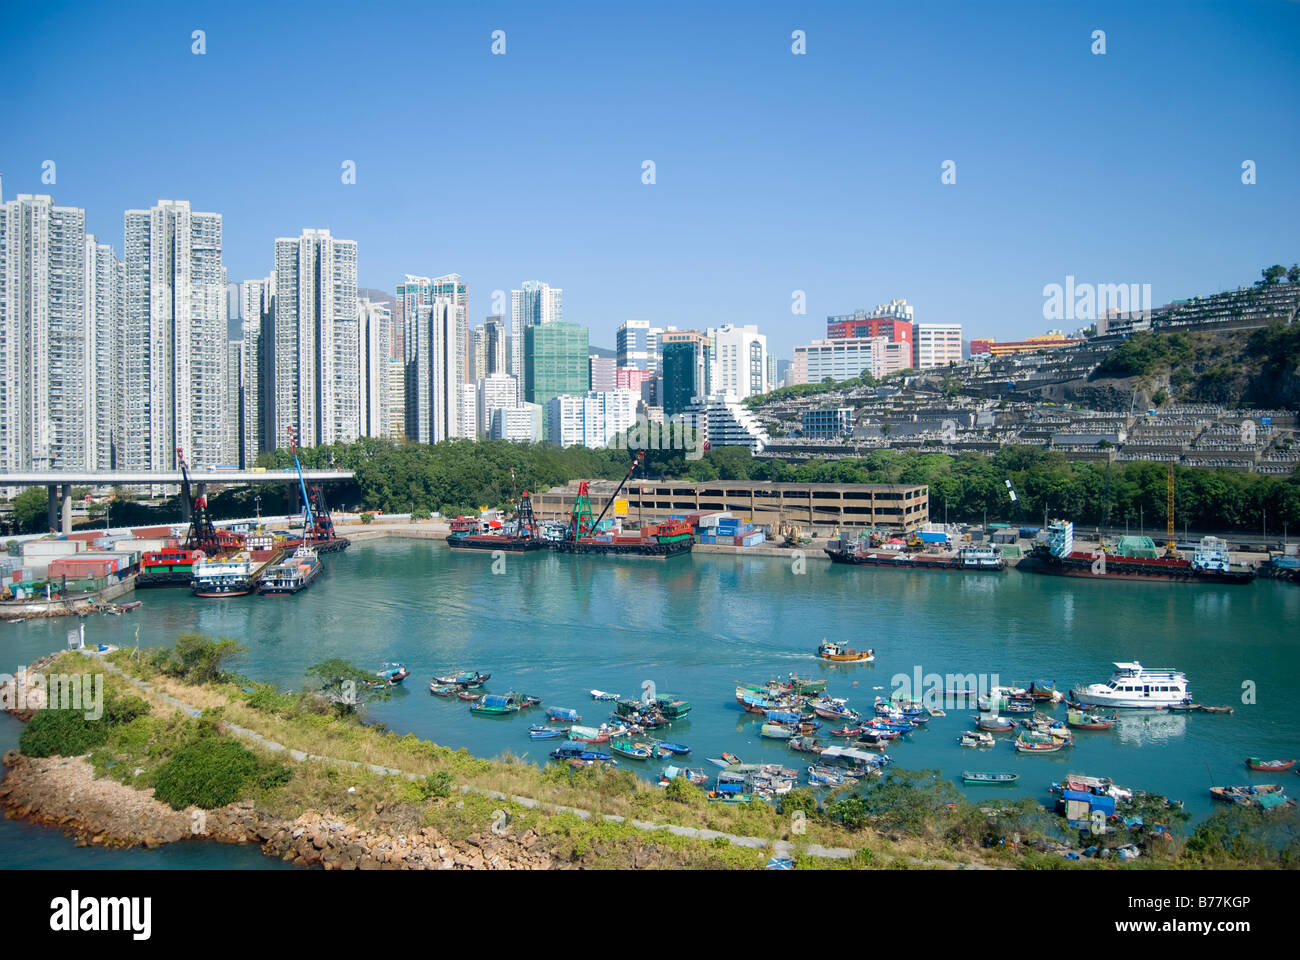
<point>1133,686</point>
<point>1269,766</point>
<point>633,750</point>
<point>392,673</point>
<point>1078,720</point>
<point>443,689</point>
<point>602,695</point>
<point>969,776</point>
<point>223,577</point>
<point>563,715</point>
<point>580,754</point>
<point>538,732</point>
<point>1040,743</point>
<point>473,678</point>
<point>977,738</point>
<point>1263,796</point>
<point>290,576</point>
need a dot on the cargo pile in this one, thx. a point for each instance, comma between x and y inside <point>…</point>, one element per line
<point>725,530</point>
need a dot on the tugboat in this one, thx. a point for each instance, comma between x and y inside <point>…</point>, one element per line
<point>839,654</point>
<point>291,575</point>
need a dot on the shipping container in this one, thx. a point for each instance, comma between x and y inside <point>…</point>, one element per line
<point>51,548</point>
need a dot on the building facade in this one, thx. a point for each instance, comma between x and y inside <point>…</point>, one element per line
<point>936,345</point>
<point>739,361</point>
<point>555,362</point>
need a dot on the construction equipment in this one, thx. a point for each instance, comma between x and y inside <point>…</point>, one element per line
<point>580,522</point>
<point>1171,547</point>
<point>203,533</point>
<point>791,535</point>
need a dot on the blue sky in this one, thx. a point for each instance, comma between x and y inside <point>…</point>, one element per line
<point>775,172</point>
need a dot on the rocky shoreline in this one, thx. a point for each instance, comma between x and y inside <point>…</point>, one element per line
<point>63,792</point>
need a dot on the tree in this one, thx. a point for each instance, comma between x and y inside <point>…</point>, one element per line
<point>1273,274</point>
<point>1293,275</point>
<point>346,687</point>
<point>31,508</point>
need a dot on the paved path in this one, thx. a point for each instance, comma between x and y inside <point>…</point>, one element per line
<point>781,848</point>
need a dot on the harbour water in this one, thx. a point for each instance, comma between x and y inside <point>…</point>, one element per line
<point>558,626</point>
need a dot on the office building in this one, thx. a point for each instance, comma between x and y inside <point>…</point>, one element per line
<point>555,362</point>
<point>603,372</point>
<point>536,303</point>
<point>740,361</point>
<point>495,346</point>
<point>936,345</point>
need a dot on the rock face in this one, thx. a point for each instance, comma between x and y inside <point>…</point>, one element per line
<point>63,792</point>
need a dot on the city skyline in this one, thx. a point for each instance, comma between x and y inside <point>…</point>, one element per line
<point>781,172</point>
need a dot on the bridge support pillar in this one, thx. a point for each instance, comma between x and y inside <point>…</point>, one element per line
<point>65,494</point>
<point>52,514</point>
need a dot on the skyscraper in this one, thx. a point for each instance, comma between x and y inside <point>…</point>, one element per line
<point>103,346</point>
<point>637,345</point>
<point>494,346</point>
<point>534,304</point>
<point>376,321</point>
<point>555,362</point>
<point>682,375</point>
<point>256,409</point>
<point>456,292</point>
<point>433,393</point>
<point>412,293</point>
<point>740,361</point>
<point>314,347</point>
<point>174,337</point>
<point>45,379</point>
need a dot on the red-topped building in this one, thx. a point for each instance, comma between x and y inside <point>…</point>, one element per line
<point>858,327</point>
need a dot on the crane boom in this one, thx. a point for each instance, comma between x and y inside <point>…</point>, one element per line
<point>302,487</point>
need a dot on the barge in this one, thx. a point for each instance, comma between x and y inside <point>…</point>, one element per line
<point>1132,559</point>
<point>971,559</point>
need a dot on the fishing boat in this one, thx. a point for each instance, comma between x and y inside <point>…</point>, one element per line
<point>499,705</point>
<point>976,738</point>
<point>846,731</point>
<point>290,576</point>
<point>727,791</point>
<point>1134,686</point>
<point>1043,690</point>
<point>473,678</point>
<point>537,732</point>
<point>1018,706</point>
<point>1039,743</point>
<point>841,654</point>
<point>588,734</point>
<point>466,695</point>
<point>805,745</point>
<point>1269,766</point>
<point>632,750</point>
<point>580,754</point>
<point>969,776</point>
<point>822,777</point>
<point>775,731</point>
<point>1263,796</point>
<point>680,749</point>
<point>804,687</point>
<point>602,695</point>
<point>994,724</point>
<point>731,758</point>
<point>443,689</point>
<point>563,715</point>
<point>1079,720</point>
<point>670,773</point>
<point>392,673</point>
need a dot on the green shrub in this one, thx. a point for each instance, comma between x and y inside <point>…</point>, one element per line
<point>210,772</point>
<point>367,518</point>
<point>62,733</point>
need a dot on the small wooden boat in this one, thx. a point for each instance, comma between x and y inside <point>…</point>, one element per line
<point>1089,721</point>
<point>718,763</point>
<point>392,673</point>
<point>602,695</point>
<point>579,754</point>
<point>731,758</point>
<point>676,748</point>
<point>1018,707</point>
<point>806,687</point>
<point>775,731</point>
<point>805,745</point>
<point>969,776</point>
<point>846,731</point>
<point>976,738</point>
<point>841,654</point>
<point>537,732</point>
<point>1039,744</point>
<point>696,777</point>
<point>937,712</point>
<point>443,689</point>
<point>465,695</point>
<point>631,750</point>
<point>1216,709</point>
<point>822,777</point>
<point>995,724</point>
<point>128,607</point>
<point>588,734</point>
<point>1265,796</point>
<point>474,678</point>
<point>1269,766</point>
<point>563,715</point>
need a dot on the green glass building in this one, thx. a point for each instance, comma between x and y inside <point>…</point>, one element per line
<point>555,362</point>
<point>680,368</point>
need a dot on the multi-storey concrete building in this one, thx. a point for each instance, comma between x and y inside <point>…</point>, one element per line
<point>174,340</point>
<point>314,349</point>
<point>637,345</point>
<point>44,373</point>
<point>103,354</point>
<point>534,304</point>
<point>739,361</point>
<point>494,346</point>
<point>593,419</point>
<point>494,392</point>
<point>433,394</point>
<point>376,327</point>
<point>936,345</point>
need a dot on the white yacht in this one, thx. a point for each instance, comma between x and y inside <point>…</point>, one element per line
<point>1133,685</point>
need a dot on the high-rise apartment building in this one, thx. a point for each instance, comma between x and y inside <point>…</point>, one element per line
<point>174,337</point>
<point>603,372</point>
<point>637,345</point>
<point>256,408</point>
<point>315,344</point>
<point>494,392</point>
<point>534,304</point>
<point>45,378</point>
<point>376,328</point>
<point>103,354</point>
<point>433,377</point>
<point>495,353</point>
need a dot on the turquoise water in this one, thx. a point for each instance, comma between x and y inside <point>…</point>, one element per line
<point>557,626</point>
